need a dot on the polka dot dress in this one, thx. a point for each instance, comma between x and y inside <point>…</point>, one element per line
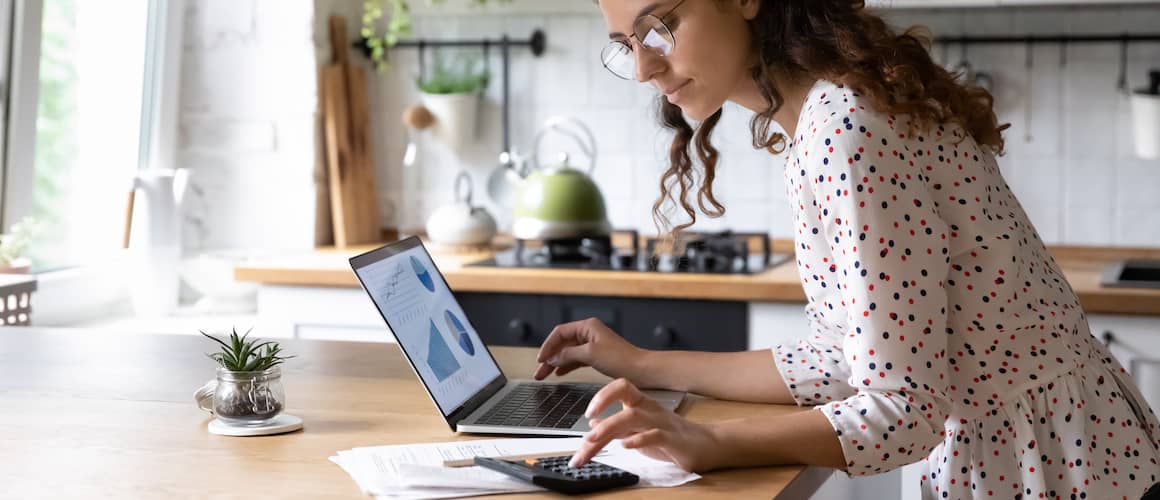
<point>942,329</point>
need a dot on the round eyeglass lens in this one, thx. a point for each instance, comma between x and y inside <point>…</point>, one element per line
<point>653,34</point>
<point>617,57</point>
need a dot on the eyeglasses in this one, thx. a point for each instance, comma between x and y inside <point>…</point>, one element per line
<point>651,32</point>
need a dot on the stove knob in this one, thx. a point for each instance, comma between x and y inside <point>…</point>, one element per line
<point>708,264</point>
<point>625,261</point>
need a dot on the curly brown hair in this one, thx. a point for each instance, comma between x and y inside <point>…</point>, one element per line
<point>841,42</point>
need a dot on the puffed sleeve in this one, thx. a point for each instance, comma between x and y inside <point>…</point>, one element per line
<point>813,368</point>
<point>890,251</point>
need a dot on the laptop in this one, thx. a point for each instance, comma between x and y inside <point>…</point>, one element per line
<point>457,369</point>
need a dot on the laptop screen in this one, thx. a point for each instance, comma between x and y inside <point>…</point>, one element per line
<point>427,322</point>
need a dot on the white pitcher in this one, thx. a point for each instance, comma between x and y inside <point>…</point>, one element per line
<point>155,241</point>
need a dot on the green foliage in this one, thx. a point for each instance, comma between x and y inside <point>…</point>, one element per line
<point>397,26</point>
<point>15,242</point>
<point>57,133</point>
<point>464,76</point>
<point>242,355</point>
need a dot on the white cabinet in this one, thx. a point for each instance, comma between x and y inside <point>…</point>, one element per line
<point>773,323</point>
<point>1136,345</point>
<point>320,313</point>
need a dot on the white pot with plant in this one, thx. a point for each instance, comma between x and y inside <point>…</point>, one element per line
<point>13,245</point>
<point>452,92</point>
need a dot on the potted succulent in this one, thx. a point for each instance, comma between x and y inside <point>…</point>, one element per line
<point>249,380</point>
<point>13,245</point>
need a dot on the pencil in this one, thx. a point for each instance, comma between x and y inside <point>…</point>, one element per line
<point>469,461</point>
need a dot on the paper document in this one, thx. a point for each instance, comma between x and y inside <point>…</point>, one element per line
<point>415,471</point>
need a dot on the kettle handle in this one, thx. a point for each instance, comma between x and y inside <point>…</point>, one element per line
<point>463,188</point>
<point>587,142</point>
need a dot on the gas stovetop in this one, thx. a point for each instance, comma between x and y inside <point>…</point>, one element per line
<point>713,253</point>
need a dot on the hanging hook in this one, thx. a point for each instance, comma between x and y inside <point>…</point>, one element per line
<point>1029,53</point>
<point>1122,83</point>
<point>505,57</point>
<point>1029,65</point>
<point>422,59</point>
<point>487,57</point>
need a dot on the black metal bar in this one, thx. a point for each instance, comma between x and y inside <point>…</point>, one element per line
<point>537,42</point>
<point>1068,39</point>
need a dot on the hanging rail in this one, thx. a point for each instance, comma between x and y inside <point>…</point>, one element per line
<point>1123,39</point>
<point>1063,39</point>
<point>537,42</point>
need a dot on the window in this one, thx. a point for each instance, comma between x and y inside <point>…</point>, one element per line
<point>75,126</point>
<point>5,84</point>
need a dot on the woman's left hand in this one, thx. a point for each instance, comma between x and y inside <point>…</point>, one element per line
<point>645,425</point>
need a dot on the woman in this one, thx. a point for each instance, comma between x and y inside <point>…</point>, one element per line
<point>942,329</point>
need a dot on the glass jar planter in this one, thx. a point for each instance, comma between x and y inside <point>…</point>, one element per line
<point>247,398</point>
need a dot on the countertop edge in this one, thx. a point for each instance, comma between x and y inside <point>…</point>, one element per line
<point>780,284</point>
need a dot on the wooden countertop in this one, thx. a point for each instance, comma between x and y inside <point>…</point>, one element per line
<point>329,267</point>
<point>91,414</point>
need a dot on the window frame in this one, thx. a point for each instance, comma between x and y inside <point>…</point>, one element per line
<point>19,145</point>
<point>91,290</point>
<point>6,38</point>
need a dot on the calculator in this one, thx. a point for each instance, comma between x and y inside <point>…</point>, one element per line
<point>555,474</point>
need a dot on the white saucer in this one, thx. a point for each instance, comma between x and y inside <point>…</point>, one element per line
<point>281,424</point>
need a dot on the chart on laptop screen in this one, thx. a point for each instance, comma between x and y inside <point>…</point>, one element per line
<point>430,326</point>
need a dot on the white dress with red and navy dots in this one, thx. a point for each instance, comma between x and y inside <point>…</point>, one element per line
<point>942,330</point>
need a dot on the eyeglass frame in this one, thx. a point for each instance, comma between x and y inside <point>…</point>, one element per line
<point>633,35</point>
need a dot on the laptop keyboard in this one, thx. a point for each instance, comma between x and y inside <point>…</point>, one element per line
<point>555,406</point>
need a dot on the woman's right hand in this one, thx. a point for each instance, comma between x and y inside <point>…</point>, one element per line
<point>586,343</point>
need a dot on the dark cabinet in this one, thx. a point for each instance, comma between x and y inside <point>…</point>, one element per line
<point>505,319</point>
<point>525,320</point>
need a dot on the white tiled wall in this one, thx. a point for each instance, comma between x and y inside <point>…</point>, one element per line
<point>249,98</point>
<point>1074,172</point>
<point>246,124</point>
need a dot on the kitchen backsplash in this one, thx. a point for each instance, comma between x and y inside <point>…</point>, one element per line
<point>1069,148</point>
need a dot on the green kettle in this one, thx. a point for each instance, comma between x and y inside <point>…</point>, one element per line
<point>559,201</point>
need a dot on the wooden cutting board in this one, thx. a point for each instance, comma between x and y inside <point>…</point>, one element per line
<point>346,137</point>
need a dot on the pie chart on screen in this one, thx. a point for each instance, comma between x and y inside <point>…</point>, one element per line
<point>423,274</point>
<point>460,331</point>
